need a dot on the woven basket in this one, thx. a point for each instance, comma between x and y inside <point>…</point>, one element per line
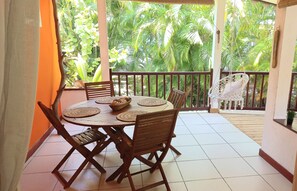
<point>119,104</point>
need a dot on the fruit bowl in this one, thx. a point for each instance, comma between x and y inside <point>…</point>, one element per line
<point>118,104</point>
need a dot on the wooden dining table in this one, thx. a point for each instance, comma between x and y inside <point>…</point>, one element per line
<point>107,119</point>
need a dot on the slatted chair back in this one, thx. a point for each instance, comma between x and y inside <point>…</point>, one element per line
<point>177,98</point>
<point>50,115</point>
<point>99,89</point>
<point>152,130</point>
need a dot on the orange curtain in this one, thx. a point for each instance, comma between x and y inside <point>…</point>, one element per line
<point>205,2</point>
<point>286,3</point>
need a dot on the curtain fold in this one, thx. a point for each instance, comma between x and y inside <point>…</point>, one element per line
<point>19,46</point>
<point>205,2</point>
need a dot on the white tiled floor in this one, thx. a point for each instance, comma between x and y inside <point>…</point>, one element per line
<point>216,156</point>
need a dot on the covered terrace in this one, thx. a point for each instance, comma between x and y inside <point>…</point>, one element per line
<point>215,154</point>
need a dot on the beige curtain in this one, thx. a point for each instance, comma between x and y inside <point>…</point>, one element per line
<point>19,45</point>
<point>207,2</point>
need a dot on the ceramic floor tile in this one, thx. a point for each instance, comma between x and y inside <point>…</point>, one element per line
<point>57,148</point>
<point>192,171</point>
<point>170,169</point>
<point>37,182</point>
<point>198,121</point>
<point>190,153</point>
<point>40,164</point>
<point>129,130</point>
<point>111,148</point>
<point>246,149</point>
<point>224,128</point>
<point>192,118</point>
<point>208,185</point>
<point>197,170</point>
<point>71,127</point>
<point>249,183</point>
<point>206,114</point>
<point>116,189</point>
<point>236,137</point>
<point>179,121</point>
<point>260,165</point>
<point>75,160</point>
<point>176,186</point>
<point>215,120</point>
<point>184,140</point>
<point>124,184</point>
<point>212,138</point>
<point>188,115</point>
<point>170,156</point>
<point>87,179</point>
<point>55,138</point>
<point>278,182</point>
<point>181,130</point>
<point>232,167</point>
<point>113,159</point>
<point>219,151</point>
<point>200,129</point>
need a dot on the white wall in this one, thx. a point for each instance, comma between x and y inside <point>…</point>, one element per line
<point>279,142</point>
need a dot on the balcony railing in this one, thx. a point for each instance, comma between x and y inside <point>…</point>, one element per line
<point>196,84</point>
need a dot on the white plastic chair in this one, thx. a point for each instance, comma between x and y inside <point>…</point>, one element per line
<point>229,89</point>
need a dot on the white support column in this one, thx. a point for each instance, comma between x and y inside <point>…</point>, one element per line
<point>218,35</point>
<point>103,42</point>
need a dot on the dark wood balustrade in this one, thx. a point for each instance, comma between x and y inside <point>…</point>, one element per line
<point>196,84</point>
<point>159,84</point>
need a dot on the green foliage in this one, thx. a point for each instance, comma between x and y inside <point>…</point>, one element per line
<point>164,37</point>
<point>79,36</point>
<point>248,36</point>
<point>161,37</point>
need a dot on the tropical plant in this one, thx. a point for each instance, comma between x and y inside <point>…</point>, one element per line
<point>248,36</point>
<point>163,37</point>
<point>79,34</point>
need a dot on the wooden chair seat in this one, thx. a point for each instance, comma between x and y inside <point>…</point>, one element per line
<point>88,136</point>
<point>78,143</point>
<point>153,132</point>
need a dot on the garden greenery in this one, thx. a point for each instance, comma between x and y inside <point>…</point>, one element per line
<point>163,37</point>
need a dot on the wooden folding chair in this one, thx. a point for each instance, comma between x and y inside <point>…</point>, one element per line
<point>99,89</point>
<point>78,142</point>
<point>153,132</point>
<point>177,98</point>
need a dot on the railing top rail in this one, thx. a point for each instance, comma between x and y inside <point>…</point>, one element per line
<point>154,73</point>
<point>247,72</point>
